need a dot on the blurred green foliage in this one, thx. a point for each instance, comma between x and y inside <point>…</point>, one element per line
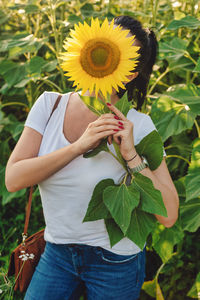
<point>32,34</point>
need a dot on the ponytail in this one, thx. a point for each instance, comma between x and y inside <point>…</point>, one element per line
<point>137,88</point>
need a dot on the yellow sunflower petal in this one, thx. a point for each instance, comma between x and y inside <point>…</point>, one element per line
<point>99,57</point>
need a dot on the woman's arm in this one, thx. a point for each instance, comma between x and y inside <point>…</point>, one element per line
<point>160,177</point>
<point>25,168</point>
<point>162,181</point>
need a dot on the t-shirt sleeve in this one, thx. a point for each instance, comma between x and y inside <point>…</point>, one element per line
<point>40,111</point>
<point>147,127</point>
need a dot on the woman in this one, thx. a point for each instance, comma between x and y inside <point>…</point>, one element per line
<point>50,155</point>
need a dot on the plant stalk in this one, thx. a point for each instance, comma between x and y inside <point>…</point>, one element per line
<point>157,80</point>
<point>180,157</point>
<point>197,128</point>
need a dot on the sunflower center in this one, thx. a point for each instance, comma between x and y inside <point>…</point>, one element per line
<point>99,57</point>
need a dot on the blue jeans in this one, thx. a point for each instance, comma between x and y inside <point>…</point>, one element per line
<point>63,271</point>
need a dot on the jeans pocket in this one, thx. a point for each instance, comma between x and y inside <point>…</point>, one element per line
<point>111,257</point>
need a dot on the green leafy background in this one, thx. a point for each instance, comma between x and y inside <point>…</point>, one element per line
<point>31,39</point>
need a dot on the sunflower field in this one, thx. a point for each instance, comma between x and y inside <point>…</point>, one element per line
<point>31,40</point>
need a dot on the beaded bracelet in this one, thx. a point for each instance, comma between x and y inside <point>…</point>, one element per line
<point>131,158</point>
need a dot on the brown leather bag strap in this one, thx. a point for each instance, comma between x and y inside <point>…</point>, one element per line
<point>55,106</point>
<point>28,206</point>
<point>28,211</point>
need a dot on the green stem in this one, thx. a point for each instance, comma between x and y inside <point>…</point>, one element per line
<point>157,80</point>
<point>49,82</point>
<point>52,19</point>
<point>50,47</point>
<point>19,271</point>
<point>168,147</point>
<point>117,159</point>
<point>125,178</point>
<point>192,7</point>
<point>193,77</point>
<point>30,94</point>
<point>180,157</point>
<point>37,25</point>
<point>187,54</point>
<point>63,8</point>
<point>197,128</point>
<point>188,77</point>
<point>157,273</point>
<point>119,155</point>
<point>155,4</point>
<point>62,78</point>
<point>13,103</point>
<point>11,293</point>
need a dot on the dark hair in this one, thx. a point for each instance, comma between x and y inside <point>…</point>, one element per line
<point>137,88</point>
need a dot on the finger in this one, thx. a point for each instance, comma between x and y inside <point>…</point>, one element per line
<point>104,127</point>
<point>105,133</point>
<point>109,121</point>
<point>110,139</point>
<point>117,139</point>
<point>106,116</point>
<point>118,136</point>
<point>116,111</point>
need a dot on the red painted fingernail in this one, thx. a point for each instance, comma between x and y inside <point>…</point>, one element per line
<point>120,123</point>
<point>121,127</point>
<point>116,117</point>
<point>108,104</point>
<point>116,129</point>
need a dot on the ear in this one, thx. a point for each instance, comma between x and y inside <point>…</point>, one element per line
<point>132,76</point>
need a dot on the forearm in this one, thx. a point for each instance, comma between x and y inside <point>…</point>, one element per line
<point>170,198</point>
<point>31,171</point>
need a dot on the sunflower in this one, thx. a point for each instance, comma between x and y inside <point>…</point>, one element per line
<point>99,58</point>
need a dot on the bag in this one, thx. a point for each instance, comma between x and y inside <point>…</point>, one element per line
<point>25,257</point>
<point>24,260</point>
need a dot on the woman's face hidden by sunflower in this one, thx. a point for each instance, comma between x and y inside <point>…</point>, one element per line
<point>99,58</point>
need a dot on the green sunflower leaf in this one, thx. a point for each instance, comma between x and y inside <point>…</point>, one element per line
<point>7,196</point>
<point>164,240</point>
<point>140,226</point>
<point>151,199</point>
<point>195,289</point>
<point>102,147</point>
<point>188,94</point>
<point>171,118</point>
<point>151,146</point>
<point>190,215</point>
<point>193,176</point>
<point>120,201</point>
<point>123,104</point>
<point>153,289</point>
<point>114,232</point>
<point>97,106</point>
<point>197,67</point>
<point>96,209</point>
<point>188,21</point>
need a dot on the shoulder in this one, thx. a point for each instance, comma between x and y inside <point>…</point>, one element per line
<point>142,122</point>
<point>45,102</point>
<point>47,98</point>
<point>41,111</point>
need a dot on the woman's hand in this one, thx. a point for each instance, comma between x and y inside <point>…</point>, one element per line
<point>103,127</point>
<point>124,138</point>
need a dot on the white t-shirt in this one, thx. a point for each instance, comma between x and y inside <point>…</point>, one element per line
<point>65,195</point>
